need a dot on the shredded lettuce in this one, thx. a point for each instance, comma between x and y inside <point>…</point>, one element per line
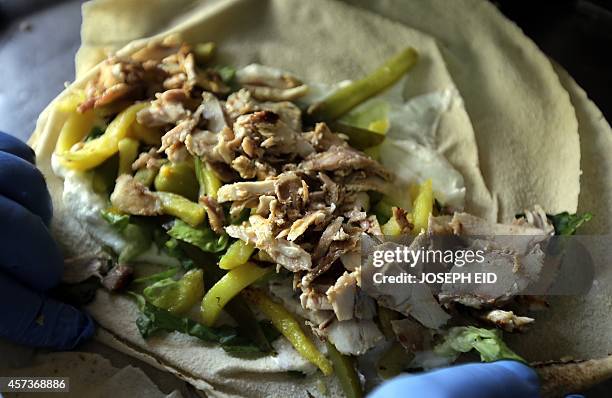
<point>488,343</point>
<point>227,73</point>
<point>153,320</point>
<point>162,293</point>
<point>202,237</point>
<point>117,220</point>
<point>169,273</point>
<point>139,239</point>
<point>171,247</point>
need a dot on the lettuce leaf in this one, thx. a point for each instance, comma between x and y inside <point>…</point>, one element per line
<point>169,273</point>
<point>202,237</point>
<point>568,224</point>
<point>488,343</point>
<point>117,220</point>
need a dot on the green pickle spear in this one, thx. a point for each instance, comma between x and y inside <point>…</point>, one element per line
<point>237,308</point>
<point>177,296</point>
<point>237,254</point>
<point>178,206</point>
<point>209,183</point>
<point>348,97</point>
<point>128,151</point>
<point>345,372</point>
<point>178,178</point>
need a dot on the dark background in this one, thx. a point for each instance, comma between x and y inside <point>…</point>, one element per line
<point>38,40</point>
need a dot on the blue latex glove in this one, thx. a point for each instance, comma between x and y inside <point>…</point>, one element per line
<point>502,379</point>
<point>30,261</point>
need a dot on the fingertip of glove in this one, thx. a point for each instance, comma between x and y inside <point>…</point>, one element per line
<point>73,327</point>
<point>23,183</point>
<point>520,369</point>
<point>29,253</point>
<point>58,326</point>
<point>523,373</point>
<point>14,146</point>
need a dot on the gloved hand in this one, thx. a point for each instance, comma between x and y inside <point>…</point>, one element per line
<point>30,261</point>
<point>502,379</point>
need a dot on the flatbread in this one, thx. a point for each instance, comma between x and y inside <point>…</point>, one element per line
<point>90,375</point>
<point>579,327</point>
<point>525,125</point>
<point>596,161</point>
<point>306,38</point>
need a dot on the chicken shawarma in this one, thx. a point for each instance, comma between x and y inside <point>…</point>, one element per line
<point>240,207</point>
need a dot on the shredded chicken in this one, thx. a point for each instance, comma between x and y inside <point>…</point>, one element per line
<point>322,138</point>
<point>214,212</point>
<point>118,79</point>
<point>354,337</point>
<point>149,160</point>
<point>259,231</point>
<point>314,298</point>
<point>211,111</point>
<point>514,252</point>
<point>131,197</point>
<point>272,134</point>
<point>416,299</point>
<point>342,296</point>
<point>241,191</point>
<point>344,159</point>
<point>507,320</point>
<point>277,94</point>
<point>168,108</point>
<point>300,226</point>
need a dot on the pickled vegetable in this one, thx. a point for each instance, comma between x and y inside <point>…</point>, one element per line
<point>209,182</point>
<point>345,372</point>
<point>423,207</point>
<point>177,296</point>
<point>181,207</point>
<point>284,321</point>
<point>96,151</point>
<point>353,94</point>
<point>128,151</point>
<point>227,288</point>
<point>237,254</point>
<point>178,178</point>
